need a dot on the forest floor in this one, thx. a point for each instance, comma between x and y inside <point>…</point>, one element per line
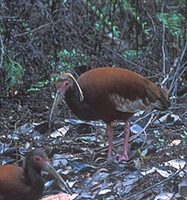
<point>78,150</point>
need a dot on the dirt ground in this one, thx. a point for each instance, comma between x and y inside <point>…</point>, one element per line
<point>78,149</point>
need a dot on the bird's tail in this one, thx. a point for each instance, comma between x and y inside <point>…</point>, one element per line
<point>164,99</point>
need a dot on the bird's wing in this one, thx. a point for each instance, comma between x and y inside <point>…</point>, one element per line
<point>133,95</point>
<point>126,105</point>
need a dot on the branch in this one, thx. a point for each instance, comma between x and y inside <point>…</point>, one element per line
<point>179,67</point>
<point>163,45</point>
<point>153,186</point>
<point>2,52</point>
<point>126,60</point>
<point>40,27</point>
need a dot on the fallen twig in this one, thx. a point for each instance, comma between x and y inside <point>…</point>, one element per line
<point>153,186</point>
<point>2,52</point>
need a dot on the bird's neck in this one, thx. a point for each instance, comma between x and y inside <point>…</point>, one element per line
<point>34,179</point>
<point>73,94</point>
<point>78,107</point>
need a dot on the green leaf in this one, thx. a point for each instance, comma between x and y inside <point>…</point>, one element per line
<point>184,135</point>
<point>129,54</point>
<point>15,74</point>
<point>38,86</point>
<point>67,56</point>
<point>173,22</point>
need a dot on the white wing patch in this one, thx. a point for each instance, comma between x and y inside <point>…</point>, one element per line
<point>126,105</point>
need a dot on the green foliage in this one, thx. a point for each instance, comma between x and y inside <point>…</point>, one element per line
<point>173,22</point>
<point>41,84</point>
<point>130,54</point>
<point>160,138</point>
<point>14,73</point>
<point>54,77</point>
<point>133,11</point>
<point>38,86</point>
<point>184,135</point>
<point>2,30</point>
<point>27,28</point>
<point>66,57</point>
<point>103,18</point>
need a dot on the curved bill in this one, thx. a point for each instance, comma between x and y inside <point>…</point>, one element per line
<point>48,168</point>
<point>56,101</point>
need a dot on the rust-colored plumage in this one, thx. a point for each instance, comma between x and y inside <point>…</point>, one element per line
<point>17,183</point>
<point>111,94</point>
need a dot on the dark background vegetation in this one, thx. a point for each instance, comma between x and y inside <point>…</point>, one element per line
<point>40,39</point>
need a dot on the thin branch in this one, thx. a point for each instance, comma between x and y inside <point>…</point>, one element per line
<point>2,52</point>
<point>8,17</point>
<point>173,85</point>
<point>126,60</point>
<point>165,80</point>
<point>40,27</point>
<point>143,130</point>
<point>163,45</point>
<point>153,186</point>
<point>153,23</point>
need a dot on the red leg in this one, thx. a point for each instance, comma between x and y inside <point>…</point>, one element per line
<point>124,155</point>
<point>110,139</point>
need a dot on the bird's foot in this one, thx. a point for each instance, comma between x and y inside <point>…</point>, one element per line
<point>122,157</point>
<point>117,158</point>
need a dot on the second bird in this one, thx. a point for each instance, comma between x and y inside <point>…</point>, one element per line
<point>110,94</point>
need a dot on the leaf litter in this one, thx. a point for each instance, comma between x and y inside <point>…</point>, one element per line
<point>78,151</point>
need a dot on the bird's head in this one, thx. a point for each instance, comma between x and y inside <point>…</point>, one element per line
<point>37,161</point>
<point>66,81</point>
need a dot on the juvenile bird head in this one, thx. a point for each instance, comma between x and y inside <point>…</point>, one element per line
<point>37,161</point>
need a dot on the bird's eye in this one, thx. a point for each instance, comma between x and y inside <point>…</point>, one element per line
<point>37,158</point>
<point>66,83</point>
